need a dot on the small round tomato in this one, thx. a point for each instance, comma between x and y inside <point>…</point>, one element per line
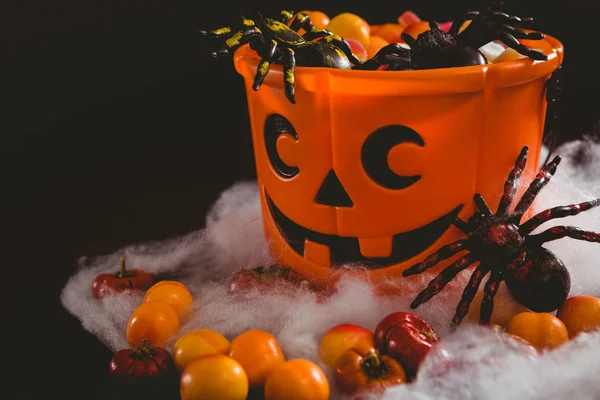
<point>198,343</point>
<point>350,26</point>
<point>390,32</point>
<point>317,18</point>
<point>153,321</point>
<point>213,376</point>
<point>339,339</point>
<point>123,280</point>
<point>542,330</point>
<point>580,314</point>
<point>143,361</point>
<point>303,378</point>
<point>258,352</point>
<point>174,293</point>
<point>362,369</point>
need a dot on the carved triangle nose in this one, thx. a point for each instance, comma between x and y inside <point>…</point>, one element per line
<point>332,193</point>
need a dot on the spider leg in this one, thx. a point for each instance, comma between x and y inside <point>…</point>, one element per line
<point>520,33</point>
<point>289,66</point>
<point>458,22</point>
<point>285,16</point>
<point>541,180</point>
<point>489,292</point>
<point>224,31</point>
<point>264,65</point>
<point>382,57</point>
<point>443,253</point>
<point>437,284</point>
<point>250,33</point>
<point>556,212</point>
<point>510,186</point>
<point>342,45</point>
<point>513,43</point>
<point>482,205</point>
<point>468,295</point>
<point>408,39</point>
<point>460,224</point>
<point>559,232</point>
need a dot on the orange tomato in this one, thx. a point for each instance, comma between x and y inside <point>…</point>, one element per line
<point>543,331</point>
<point>198,343</point>
<point>350,26</point>
<point>390,32</point>
<point>213,376</point>
<point>376,43</point>
<point>364,369</point>
<point>153,321</point>
<point>417,28</point>
<point>302,378</point>
<point>174,293</point>
<point>258,352</point>
<point>317,18</point>
<point>580,314</point>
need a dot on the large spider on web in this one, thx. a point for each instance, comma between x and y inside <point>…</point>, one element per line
<point>505,248</point>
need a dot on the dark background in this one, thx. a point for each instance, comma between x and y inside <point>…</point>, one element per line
<point>118,128</point>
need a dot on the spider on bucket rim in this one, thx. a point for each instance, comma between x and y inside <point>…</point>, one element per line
<point>504,247</point>
<point>458,47</point>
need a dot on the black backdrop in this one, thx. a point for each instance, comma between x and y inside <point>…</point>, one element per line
<point>118,128</point>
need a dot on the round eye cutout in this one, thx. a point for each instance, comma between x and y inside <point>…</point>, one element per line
<point>374,155</point>
<point>275,126</point>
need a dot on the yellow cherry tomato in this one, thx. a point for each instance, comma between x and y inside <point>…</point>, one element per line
<point>258,352</point>
<point>198,343</point>
<point>350,26</point>
<point>213,377</point>
<point>543,331</point>
<point>173,293</point>
<point>302,378</point>
<point>153,321</point>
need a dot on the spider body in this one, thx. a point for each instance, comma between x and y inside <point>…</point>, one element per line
<point>435,48</point>
<point>505,248</point>
<point>278,41</point>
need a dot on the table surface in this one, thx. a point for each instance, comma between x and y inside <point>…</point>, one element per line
<point>125,137</point>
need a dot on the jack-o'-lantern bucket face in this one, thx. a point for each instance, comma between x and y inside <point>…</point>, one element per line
<point>369,168</point>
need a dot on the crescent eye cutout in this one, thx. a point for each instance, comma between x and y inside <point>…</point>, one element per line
<point>374,155</point>
<point>275,126</point>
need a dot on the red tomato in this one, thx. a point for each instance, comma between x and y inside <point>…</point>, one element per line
<point>362,369</point>
<point>143,361</point>
<point>275,278</point>
<point>407,338</point>
<point>121,281</point>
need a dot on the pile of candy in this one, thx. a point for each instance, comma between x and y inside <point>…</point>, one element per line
<point>366,40</point>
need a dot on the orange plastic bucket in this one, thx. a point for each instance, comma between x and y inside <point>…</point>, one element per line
<point>369,168</point>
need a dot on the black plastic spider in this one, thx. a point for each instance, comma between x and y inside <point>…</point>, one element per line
<point>275,41</point>
<point>504,247</point>
<point>435,48</point>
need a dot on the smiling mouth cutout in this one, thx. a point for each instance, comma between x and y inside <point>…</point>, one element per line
<point>346,250</point>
